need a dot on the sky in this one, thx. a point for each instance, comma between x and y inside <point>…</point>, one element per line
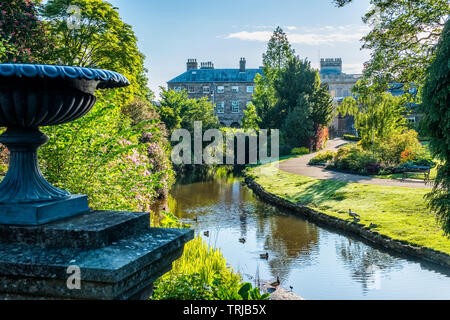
<point>171,31</point>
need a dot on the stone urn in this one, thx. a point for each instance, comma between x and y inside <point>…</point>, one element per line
<point>33,96</point>
<point>52,246</point>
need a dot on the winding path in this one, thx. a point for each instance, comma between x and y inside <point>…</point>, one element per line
<point>300,166</point>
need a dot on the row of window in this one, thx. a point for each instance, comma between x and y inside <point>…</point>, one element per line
<point>235,106</point>
<point>219,89</point>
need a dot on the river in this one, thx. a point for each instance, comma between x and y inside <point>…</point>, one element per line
<point>317,263</point>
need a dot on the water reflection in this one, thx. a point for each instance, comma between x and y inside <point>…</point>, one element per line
<point>319,264</point>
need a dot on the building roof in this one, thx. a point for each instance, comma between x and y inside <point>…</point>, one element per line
<point>217,75</point>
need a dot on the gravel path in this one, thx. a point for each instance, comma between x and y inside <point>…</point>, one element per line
<point>300,166</point>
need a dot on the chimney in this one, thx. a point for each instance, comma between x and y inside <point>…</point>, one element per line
<point>242,65</point>
<point>192,64</point>
<point>207,65</point>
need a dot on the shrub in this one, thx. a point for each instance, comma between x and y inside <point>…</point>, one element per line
<point>389,150</point>
<point>354,158</point>
<point>322,158</point>
<point>349,137</point>
<point>300,151</point>
<point>202,274</point>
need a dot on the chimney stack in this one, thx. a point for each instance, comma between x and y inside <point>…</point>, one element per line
<point>192,64</point>
<point>242,65</point>
<point>206,65</point>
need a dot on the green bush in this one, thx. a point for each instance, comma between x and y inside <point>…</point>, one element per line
<point>353,158</point>
<point>300,151</point>
<point>389,150</point>
<point>322,158</point>
<point>349,137</point>
<point>202,274</point>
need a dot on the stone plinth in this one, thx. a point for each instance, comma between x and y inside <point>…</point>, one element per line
<point>119,256</point>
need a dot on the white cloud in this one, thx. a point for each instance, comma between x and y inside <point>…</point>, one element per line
<point>352,68</point>
<point>317,36</point>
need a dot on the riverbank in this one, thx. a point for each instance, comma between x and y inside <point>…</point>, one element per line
<point>392,217</point>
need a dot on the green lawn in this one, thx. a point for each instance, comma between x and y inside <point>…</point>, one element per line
<point>400,213</point>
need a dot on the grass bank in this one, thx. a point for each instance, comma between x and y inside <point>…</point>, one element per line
<point>398,213</point>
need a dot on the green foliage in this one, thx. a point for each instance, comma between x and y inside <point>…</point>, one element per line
<point>289,97</point>
<point>178,111</point>
<point>389,149</point>
<point>202,274</point>
<point>436,125</point>
<point>22,36</point>
<point>378,116</point>
<point>251,118</point>
<point>300,151</point>
<point>403,38</point>
<point>351,138</point>
<point>100,155</point>
<point>355,159</point>
<point>322,158</point>
<point>100,39</point>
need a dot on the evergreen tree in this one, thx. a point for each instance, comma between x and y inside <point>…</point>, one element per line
<point>436,125</point>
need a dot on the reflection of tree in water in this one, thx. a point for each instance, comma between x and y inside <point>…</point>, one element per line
<point>364,262</point>
<point>289,239</point>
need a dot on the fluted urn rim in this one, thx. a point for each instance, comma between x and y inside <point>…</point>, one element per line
<point>106,78</point>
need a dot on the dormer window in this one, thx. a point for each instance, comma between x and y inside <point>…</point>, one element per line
<point>235,89</point>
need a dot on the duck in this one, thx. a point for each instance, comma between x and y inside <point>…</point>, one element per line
<point>291,287</point>
<point>242,240</point>
<point>195,219</point>
<point>276,283</point>
<point>353,215</point>
<point>264,256</point>
<point>206,233</point>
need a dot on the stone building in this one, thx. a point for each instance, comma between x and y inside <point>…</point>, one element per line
<point>230,90</point>
<point>340,86</point>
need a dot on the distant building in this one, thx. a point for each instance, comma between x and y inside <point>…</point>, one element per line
<point>340,86</point>
<point>230,90</point>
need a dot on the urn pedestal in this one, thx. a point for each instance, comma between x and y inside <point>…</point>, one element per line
<point>47,235</point>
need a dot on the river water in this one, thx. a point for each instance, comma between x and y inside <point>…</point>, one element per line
<point>317,263</point>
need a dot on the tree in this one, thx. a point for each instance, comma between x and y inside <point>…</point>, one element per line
<point>403,38</point>
<point>22,36</point>
<point>436,125</point>
<point>251,118</point>
<point>277,56</point>
<point>377,115</point>
<point>97,38</point>
<point>178,111</point>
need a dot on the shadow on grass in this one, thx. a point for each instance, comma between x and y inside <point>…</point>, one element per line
<point>319,192</point>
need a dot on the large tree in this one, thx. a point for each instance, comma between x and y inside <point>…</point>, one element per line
<point>436,125</point>
<point>403,38</point>
<point>279,52</point>
<point>90,33</point>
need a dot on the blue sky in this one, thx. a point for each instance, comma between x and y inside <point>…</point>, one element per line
<point>171,31</point>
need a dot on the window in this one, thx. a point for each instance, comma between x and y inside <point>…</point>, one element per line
<point>191,89</point>
<point>177,89</point>
<point>205,89</point>
<point>235,107</point>
<point>250,89</point>
<point>220,107</point>
<point>220,89</point>
<point>235,89</point>
<point>346,93</point>
<point>412,120</point>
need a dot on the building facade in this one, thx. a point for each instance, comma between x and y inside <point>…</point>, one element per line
<point>230,90</point>
<point>340,86</point>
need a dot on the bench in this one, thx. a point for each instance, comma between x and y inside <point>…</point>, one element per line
<point>417,169</point>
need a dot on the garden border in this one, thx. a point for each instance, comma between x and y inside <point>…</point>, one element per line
<point>399,246</point>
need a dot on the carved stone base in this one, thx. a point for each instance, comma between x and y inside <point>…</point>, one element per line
<point>119,257</point>
<point>34,214</point>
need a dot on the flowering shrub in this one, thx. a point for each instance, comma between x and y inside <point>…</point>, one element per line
<point>101,155</point>
<point>322,158</point>
<point>23,36</point>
